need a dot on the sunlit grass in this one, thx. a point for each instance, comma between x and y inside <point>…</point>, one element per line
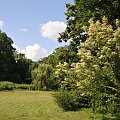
<point>37,105</point>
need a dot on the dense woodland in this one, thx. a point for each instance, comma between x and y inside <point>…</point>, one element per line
<point>87,71</point>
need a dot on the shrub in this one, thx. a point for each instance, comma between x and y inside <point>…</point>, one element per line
<point>32,87</point>
<point>72,100</point>
<point>102,110</point>
<point>66,100</point>
<point>68,84</point>
<point>22,86</point>
<point>84,100</point>
<point>5,85</point>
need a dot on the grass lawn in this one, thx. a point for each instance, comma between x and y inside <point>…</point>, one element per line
<point>37,105</point>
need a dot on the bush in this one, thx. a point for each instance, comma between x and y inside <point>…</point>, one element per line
<point>22,86</point>
<point>5,85</point>
<point>72,100</point>
<point>102,110</point>
<point>84,100</point>
<point>68,84</point>
<point>66,100</point>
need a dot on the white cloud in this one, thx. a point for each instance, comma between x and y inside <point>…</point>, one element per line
<point>23,30</point>
<point>51,29</point>
<point>1,24</point>
<point>34,52</point>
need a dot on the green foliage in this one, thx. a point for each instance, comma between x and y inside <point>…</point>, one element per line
<point>69,82</point>
<point>78,14</point>
<point>72,100</point>
<point>64,54</point>
<point>54,84</point>
<point>51,59</point>
<point>14,67</point>
<point>22,86</point>
<point>67,78</point>
<point>98,67</point>
<point>97,72</point>
<point>42,77</point>
<point>23,68</point>
<point>5,85</point>
<point>60,55</point>
<point>102,110</point>
<point>7,60</point>
<point>66,100</point>
<point>34,65</point>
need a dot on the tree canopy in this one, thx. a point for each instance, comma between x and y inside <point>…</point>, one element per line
<point>42,77</point>
<point>7,60</point>
<point>78,14</point>
<point>14,67</point>
<point>97,71</point>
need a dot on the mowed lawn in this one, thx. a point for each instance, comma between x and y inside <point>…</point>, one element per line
<point>36,105</point>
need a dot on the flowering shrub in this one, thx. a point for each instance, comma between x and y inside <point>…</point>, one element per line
<point>98,71</point>
<point>99,66</point>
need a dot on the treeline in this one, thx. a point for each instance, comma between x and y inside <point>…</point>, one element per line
<point>14,67</point>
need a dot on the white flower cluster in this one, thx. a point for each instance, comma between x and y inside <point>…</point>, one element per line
<point>102,47</point>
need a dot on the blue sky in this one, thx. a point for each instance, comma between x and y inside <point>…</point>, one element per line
<point>33,25</point>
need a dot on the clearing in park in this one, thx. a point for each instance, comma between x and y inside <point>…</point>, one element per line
<point>37,105</point>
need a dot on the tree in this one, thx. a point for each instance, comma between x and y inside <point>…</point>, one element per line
<point>78,14</point>
<point>7,60</point>
<point>64,54</point>
<point>50,59</point>
<point>42,77</point>
<point>99,65</point>
<point>60,55</point>
<point>23,69</point>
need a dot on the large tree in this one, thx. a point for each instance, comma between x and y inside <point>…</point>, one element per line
<point>78,14</point>
<point>23,68</point>
<point>7,60</point>
<point>99,66</point>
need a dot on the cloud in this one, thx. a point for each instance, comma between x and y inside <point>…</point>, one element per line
<point>23,30</point>
<point>1,24</point>
<point>34,52</point>
<point>51,29</point>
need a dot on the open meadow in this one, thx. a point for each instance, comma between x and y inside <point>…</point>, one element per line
<point>36,105</point>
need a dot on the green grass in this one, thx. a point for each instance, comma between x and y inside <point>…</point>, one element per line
<point>37,105</point>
